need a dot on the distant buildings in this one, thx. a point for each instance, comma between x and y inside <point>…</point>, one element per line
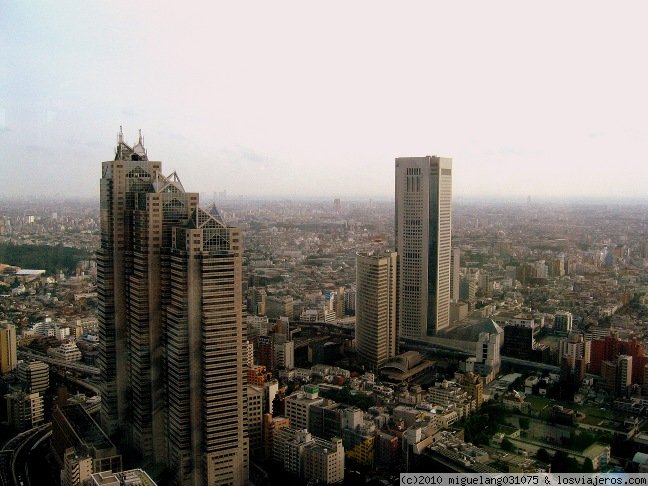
<point>423,243</point>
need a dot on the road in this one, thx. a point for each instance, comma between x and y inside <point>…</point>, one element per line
<point>15,454</point>
<point>30,355</point>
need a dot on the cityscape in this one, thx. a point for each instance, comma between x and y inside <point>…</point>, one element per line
<point>170,337</point>
<point>260,244</point>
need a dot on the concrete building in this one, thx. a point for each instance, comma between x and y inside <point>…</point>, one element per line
<point>74,429</point>
<point>138,208</point>
<point>563,322</point>
<point>270,427</point>
<point>77,469</point>
<point>328,419</point>
<point>376,333</point>
<point>132,477</point>
<point>206,382</point>
<point>309,457</point>
<point>8,358</point>
<point>455,274</point>
<point>169,285</point>
<point>34,376</point>
<point>25,410</point>
<point>423,242</point>
<point>298,405</point>
<point>488,359</point>
<point>255,407</point>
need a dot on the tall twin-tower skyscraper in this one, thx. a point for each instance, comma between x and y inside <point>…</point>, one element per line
<point>423,244</point>
<point>169,277</point>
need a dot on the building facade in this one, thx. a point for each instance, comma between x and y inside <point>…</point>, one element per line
<point>169,282</point>
<point>423,243</point>
<point>376,338</point>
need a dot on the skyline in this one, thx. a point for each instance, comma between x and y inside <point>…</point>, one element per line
<point>296,100</point>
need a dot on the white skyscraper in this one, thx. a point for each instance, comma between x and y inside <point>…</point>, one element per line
<point>423,243</point>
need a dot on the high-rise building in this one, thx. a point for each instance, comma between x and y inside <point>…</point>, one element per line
<point>563,322</point>
<point>8,358</point>
<point>169,281</point>
<point>376,338</point>
<point>34,376</point>
<point>423,243</point>
<point>455,274</point>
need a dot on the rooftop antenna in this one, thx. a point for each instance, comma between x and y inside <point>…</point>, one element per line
<point>121,135</point>
<point>140,136</point>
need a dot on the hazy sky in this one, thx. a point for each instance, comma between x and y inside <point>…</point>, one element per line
<point>317,98</point>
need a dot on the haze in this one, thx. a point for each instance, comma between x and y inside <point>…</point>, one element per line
<point>316,99</point>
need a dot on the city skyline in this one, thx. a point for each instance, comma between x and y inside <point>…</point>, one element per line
<point>259,93</point>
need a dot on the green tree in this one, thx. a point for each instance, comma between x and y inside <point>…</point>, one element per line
<point>507,445</point>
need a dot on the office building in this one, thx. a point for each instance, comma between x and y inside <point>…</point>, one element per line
<point>25,410</point>
<point>563,322</point>
<point>376,339</point>
<point>132,477</point>
<point>455,274</point>
<point>519,341</point>
<point>423,243</point>
<point>255,407</point>
<point>487,357</point>
<point>298,405</point>
<point>206,382</point>
<point>73,428</point>
<point>169,282</point>
<point>309,457</point>
<point>77,469</point>
<point>33,376</point>
<point>8,358</point>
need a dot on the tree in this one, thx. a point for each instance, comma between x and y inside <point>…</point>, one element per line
<point>543,455</point>
<point>507,445</point>
<point>524,423</point>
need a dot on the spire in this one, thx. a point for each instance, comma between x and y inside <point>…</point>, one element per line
<point>120,139</point>
<point>140,137</point>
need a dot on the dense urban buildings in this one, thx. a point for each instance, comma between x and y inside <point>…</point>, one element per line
<point>543,364</point>
<point>423,244</point>
<point>170,323</point>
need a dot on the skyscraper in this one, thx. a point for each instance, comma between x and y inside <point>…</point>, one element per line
<point>376,338</point>
<point>8,357</point>
<point>206,384</point>
<point>170,321</point>
<point>455,274</point>
<point>423,243</point>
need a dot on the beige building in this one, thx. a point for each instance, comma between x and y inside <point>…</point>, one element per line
<point>309,457</point>
<point>206,385</point>
<point>33,375</point>
<point>169,282</point>
<point>298,405</point>
<point>8,359</point>
<point>255,406</point>
<point>77,469</point>
<point>423,243</point>
<point>376,338</point>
